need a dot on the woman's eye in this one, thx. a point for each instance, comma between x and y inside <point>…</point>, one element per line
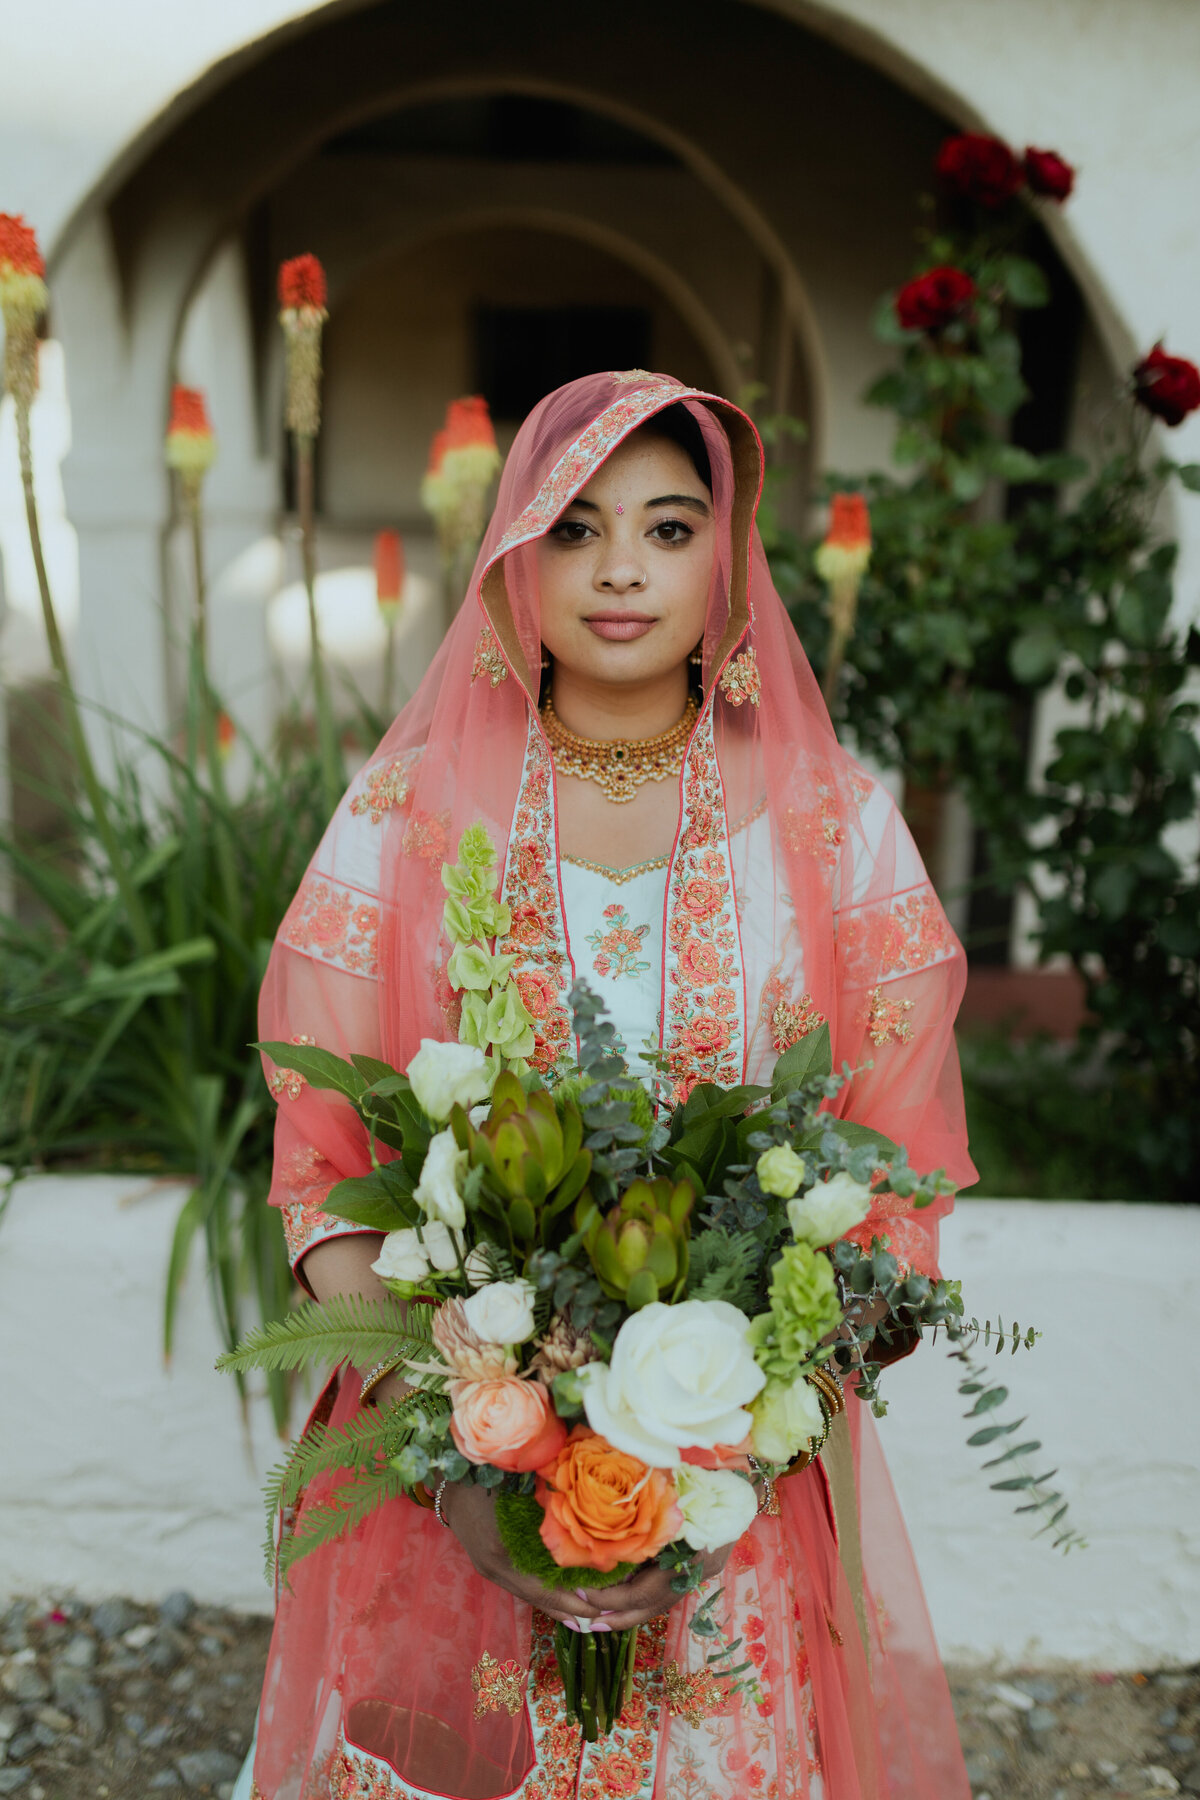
<point>570,531</point>
<point>671,531</point>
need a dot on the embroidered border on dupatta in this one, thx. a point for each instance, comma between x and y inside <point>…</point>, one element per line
<point>543,970</point>
<point>334,923</point>
<point>704,985</point>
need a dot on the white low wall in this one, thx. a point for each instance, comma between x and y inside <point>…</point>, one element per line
<point>117,1476</point>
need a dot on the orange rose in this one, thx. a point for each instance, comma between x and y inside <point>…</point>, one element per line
<point>603,1507</point>
<point>508,1422</point>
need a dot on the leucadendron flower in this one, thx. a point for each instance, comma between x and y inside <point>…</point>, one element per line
<point>780,1171</point>
<point>439,1191</point>
<point>718,1505</point>
<point>786,1415</point>
<point>444,1076</point>
<point>804,1309</point>
<point>829,1210</point>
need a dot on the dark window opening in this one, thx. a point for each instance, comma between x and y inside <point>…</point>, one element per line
<point>504,128</point>
<point>524,352</point>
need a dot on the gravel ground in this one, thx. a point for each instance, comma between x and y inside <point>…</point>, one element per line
<point>122,1702</point>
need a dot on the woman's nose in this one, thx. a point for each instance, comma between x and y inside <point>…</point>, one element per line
<point>619,571</point>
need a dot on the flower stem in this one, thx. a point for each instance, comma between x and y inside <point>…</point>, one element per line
<point>117,863</point>
<point>331,762</point>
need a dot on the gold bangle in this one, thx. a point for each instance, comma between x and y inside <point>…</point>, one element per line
<point>378,1374</point>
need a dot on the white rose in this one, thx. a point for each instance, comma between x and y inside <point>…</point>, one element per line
<point>829,1210</point>
<point>501,1312</point>
<point>403,1256</point>
<point>717,1506</point>
<point>679,1376</point>
<point>786,1414</point>
<point>444,1075</point>
<point>438,1191</point>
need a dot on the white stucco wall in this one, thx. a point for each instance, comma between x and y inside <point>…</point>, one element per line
<point>117,1476</point>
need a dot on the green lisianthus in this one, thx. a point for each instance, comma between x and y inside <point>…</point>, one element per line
<point>804,1309</point>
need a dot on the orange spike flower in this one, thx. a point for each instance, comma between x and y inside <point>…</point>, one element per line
<point>191,446</point>
<point>23,299</point>
<point>389,573</point>
<point>846,549</point>
<point>302,285</point>
<point>226,735</point>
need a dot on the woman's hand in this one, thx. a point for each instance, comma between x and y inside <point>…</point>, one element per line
<point>470,1512</point>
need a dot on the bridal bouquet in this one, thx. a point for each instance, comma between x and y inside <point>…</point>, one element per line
<point>627,1323</point>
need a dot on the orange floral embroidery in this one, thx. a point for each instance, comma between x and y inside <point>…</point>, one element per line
<point>819,832</point>
<point>790,1020</point>
<point>498,1685</point>
<point>886,1020</point>
<point>618,949</point>
<point>333,923</point>
<point>535,934</point>
<point>427,836</point>
<point>913,934</point>
<point>386,788</point>
<point>704,1026</point>
<point>741,681</point>
<point>489,659</point>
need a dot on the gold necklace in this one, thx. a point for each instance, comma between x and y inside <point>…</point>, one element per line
<point>619,766</point>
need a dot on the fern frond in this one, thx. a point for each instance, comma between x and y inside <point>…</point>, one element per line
<point>344,1328</point>
<point>724,1266</point>
<point>341,1516</point>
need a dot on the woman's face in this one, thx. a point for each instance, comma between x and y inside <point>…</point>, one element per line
<point>624,574</point>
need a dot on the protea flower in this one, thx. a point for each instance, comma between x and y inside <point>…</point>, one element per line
<point>302,314</point>
<point>465,1353</point>
<point>389,574</point>
<point>23,300</point>
<point>841,561</point>
<point>639,1249</point>
<point>191,446</point>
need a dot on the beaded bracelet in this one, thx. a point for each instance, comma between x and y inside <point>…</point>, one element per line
<point>378,1374</point>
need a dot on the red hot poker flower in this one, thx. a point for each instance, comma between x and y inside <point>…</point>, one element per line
<point>1167,386</point>
<point>935,299</point>
<point>980,168</point>
<point>189,412</point>
<point>468,423</point>
<point>191,446</point>
<point>1048,175</point>
<point>19,253</point>
<point>302,285</point>
<point>389,567</point>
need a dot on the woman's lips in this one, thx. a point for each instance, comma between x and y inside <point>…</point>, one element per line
<point>620,627</point>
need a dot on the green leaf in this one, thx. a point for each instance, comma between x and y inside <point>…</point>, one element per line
<point>371,1201</point>
<point>1034,656</point>
<point>854,1134</point>
<point>1026,283</point>
<point>988,1401</point>
<point>1189,475</point>
<point>321,1068</point>
<point>808,1060</point>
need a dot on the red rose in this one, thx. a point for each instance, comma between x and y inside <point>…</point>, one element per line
<point>934,299</point>
<point>1167,386</point>
<point>980,168</point>
<point>1048,175</point>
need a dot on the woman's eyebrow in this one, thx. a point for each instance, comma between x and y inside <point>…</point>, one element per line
<point>688,500</point>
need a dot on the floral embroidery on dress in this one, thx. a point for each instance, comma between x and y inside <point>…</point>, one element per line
<point>886,1020</point>
<point>333,923</point>
<point>535,936</point>
<point>741,681</point>
<point>818,832</point>
<point>498,1686</point>
<point>489,658</point>
<point>290,1081</point>
<point>693,1696</point>
<point>387,786</point>
<point>427,836</point>
<point>789,1020</point>
<point>618,949</point>
<point>702,973</point>
<point>913,934</point>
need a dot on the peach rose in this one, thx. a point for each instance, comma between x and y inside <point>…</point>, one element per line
<point>508,1422</point>
<point>603,1507</point>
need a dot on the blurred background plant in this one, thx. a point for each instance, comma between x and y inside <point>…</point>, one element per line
<point>997,570</point>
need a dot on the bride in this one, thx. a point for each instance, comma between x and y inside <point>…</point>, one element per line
<point>623,703</point>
